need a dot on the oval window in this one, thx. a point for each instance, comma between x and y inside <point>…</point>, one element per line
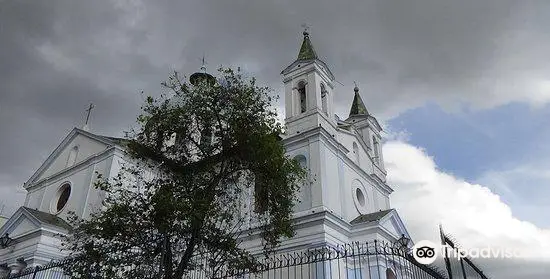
<point>63,195</point>
<point>360,197</point>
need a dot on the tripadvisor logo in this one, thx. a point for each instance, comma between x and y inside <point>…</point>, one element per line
<point>426,252</point>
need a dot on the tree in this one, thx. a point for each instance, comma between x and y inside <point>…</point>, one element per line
<point>194,157</point>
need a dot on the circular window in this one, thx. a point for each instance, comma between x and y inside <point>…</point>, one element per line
<point>360,197</point>
<point>61,199</point>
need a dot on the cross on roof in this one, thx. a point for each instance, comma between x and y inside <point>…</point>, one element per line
<point>203,66</point>
<point>88,110</point>
<point>306,28</point>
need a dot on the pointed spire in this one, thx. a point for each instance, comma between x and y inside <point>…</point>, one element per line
<point>358,107</point>
<point>307,52</point>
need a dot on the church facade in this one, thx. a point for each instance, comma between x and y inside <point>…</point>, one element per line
<point>345,198</point>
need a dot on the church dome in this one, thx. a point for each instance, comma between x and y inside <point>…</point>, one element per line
<point>202,76</point>
<point>199,77</point>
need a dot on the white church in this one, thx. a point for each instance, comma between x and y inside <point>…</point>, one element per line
<point>346,197</point>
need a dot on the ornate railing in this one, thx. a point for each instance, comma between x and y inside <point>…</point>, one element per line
<point>369,260</point>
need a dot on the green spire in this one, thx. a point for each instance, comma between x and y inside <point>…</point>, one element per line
<point>358,107</point>
<point>306,51</point>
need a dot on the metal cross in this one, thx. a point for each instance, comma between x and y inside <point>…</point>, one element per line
<point>203,66</point>
<point>306,27</point>
<point>89,110</point>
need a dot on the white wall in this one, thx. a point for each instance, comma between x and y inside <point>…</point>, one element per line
<point>92,157</point>
<point>86,147</point>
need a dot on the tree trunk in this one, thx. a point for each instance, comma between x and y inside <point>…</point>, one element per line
<point>167,258</point>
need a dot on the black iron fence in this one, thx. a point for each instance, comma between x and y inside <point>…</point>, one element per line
<point>52,270</point>
<point>458,266</point>
<point>374,260</point>
<point>352,261</point>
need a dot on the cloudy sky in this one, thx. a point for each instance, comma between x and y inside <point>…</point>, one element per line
<point>462,88</point>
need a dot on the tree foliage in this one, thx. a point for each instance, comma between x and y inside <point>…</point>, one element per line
<point>197,152</point>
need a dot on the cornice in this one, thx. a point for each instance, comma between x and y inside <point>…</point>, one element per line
<point>98,157</point>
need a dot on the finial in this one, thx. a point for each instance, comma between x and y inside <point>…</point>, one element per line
<point>306,50</point>
<point>203,66</point>
<point>88,110</point>
<point>306,30</point>
<point>202,75</point>
<point>356,88</point>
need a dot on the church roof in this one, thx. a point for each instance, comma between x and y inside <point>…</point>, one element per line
<point>47,218</point>
<point>358,107</point>
<point>307,52</point>
<point>375,216</point>
<point>306,56</point>
<point>114,140</point>
<point>109,141</point>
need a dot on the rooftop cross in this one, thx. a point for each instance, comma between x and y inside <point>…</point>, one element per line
<point>203,66</point>
<point>88,110</point>
<point>306,50</point>
<point>306,29</point>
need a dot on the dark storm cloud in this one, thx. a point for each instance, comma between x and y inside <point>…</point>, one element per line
<point>58,56</point>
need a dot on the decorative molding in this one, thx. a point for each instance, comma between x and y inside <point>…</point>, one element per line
<point>64,143</point>
<point>96,158</point>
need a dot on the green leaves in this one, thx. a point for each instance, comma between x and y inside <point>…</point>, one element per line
<point>197,158</point>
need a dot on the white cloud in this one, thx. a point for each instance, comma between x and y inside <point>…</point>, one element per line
<point>477,217</point>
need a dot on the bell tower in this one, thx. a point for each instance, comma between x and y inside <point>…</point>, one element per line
<point>309,88</point>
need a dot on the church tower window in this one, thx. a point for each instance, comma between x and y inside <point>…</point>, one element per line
<point>302,96</point>
<point>301,159</point>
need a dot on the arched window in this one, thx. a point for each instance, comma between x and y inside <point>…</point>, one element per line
<point>376,148</point>
<point>301,159</point>
<point>356,152</point>
<point>324,98</point>
<point>72,156</point>
<point>302,96</point>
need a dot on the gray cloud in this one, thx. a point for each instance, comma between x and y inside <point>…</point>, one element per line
<point>57,56</point>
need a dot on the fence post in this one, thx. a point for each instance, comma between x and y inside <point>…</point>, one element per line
<point>463,269</point>
<point>35,271</point>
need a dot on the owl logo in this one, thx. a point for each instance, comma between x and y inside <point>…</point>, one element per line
<point>424,252</point>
